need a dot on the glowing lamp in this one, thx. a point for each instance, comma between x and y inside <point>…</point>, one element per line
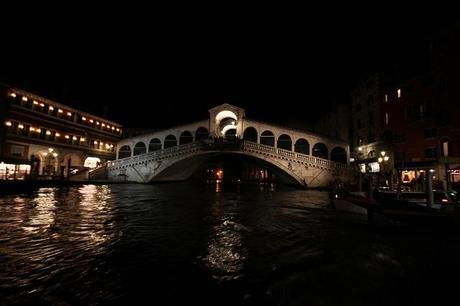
<point>35,102</point>
<point>42,104</point>
<point>83,118</point>
<point>8,123</point>
<point>51,108</point>
<point>24,99</point>
<point>48,132</point>
<point>60,111</point>
<point>57,134</point>
<point>20,126</point>
<point>74,138</point>
<point>67,137</point>
<point>13,95</point>
<point>69,114</point>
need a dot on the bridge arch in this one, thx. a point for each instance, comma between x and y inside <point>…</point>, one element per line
<point>302,146</point>
<point>140,148</point>
<point>201,133</point>
<point>154,145</point>
<point>185,137</point>
<point>125,151</point>
<point>226,122</point>
<point>339,154</point>
<point>267,138</point>
<point>170,141</point>
<point>320,150</point>
<point>250,134</point>
<point>284,142</point>
<point>186,166</point>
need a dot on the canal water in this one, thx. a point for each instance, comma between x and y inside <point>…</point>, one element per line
<point>189,244</point>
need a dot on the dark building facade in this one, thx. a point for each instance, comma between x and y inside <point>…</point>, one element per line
<point>45,138</point>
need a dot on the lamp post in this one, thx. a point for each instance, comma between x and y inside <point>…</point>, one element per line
<point>382,160</point>
<point>50,156</point>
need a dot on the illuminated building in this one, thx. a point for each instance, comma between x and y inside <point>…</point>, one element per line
<point>46,138</point>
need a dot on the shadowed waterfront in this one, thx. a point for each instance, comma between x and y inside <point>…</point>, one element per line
<point>178,244</point>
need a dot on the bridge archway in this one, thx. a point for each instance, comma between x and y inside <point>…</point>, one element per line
<point>338,154</point>
<point>250,134</point>
<point>320,150</point>
<point>226,122</point>
<point>185,168</point>
<point>267,138</point>
<point>302,146</point>
<point>284,142</point>
<point>170,141</point>
<point>154,145</point>
<point>185,137</point>
<point>201,133</point>
<point>125,151</point>
<point>140,148</point>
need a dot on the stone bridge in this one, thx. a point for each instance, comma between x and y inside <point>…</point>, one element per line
<point>297,157</point>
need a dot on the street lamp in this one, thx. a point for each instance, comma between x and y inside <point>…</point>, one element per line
<point>382,160</point>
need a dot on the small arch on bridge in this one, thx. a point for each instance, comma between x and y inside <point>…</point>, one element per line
<point>338,154</point>
<point>284,142</point>
<point>125,151</point>
<point>320,150</point>
<point>302,146</point>
<point>170,141</point>
<point>140,148</point>
<point>201,133</point>
<point>154,145</point>
<point>185,137</point>
<point>250,134</point>
<point>267,138</point>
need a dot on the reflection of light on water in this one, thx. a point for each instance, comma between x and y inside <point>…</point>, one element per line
<point>94,213</point>
<point>225,254</point>
<point>44,205</point>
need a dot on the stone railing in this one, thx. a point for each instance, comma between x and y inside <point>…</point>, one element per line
<point>260,148</point>
<point>160,154</point>
<point>216,146</point>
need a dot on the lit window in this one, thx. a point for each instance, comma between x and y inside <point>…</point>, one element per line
<point>386,97</point>
<point>74,137</point>
<point>95,142</point>
<point>83,118</point>
<point>387,118</point>
<point>48,132</point>
<point>69,114</point>
<point>103,124</point>
<point>42,104</point>
<point>57,134</point>
<point>97,122</point>
<point>35,102</point>
<point>38,130</point>
<point>118,130</point>
<point>445,148</point>
<point>82,139</point>
<point>91,120</point>
<point>60,111</point>
<point>399,93</point>
<point>113,128</point>
<point>13,95</point>
<point>8,123</point>
<point>24,99</point>
<point>20,126</point>
<point>67,136</point>
<point>51,108</point>
<point>31,129</point>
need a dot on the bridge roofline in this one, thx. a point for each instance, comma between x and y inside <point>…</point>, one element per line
<point>287,128</point>
<point>177,127</point>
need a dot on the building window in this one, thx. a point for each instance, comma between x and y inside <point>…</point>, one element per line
<point>430,153</point>
<point>387,118</point>
<point>430,133</point>
<point>386,98</point>
<point>445,148</point>
<point>399,93</point>
<point>17,151</point>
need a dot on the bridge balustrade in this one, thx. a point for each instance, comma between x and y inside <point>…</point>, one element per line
<point>218,145</point>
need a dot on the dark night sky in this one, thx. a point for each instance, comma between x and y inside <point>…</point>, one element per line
<point>149,78</point>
